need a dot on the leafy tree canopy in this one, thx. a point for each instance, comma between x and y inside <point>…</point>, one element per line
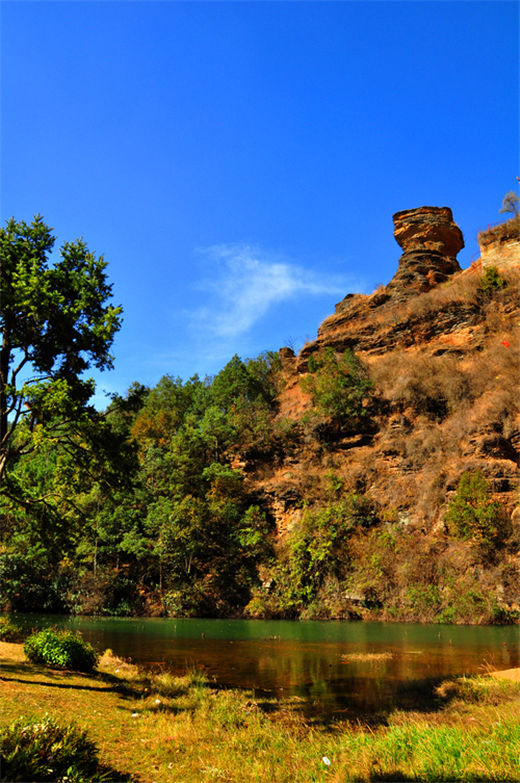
<point>56,322</point>
<point>233,382</point>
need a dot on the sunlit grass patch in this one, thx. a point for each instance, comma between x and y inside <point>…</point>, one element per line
<point>379,656</point>
<point>418,751</point>
<point>168,729</point>
<point>479,689</point>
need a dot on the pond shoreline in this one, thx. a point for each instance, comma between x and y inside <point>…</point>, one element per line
<point>331,668</point>
<point>164,729</point>
<point>362,620</point>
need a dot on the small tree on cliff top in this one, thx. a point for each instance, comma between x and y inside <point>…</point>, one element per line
<point>510,203</point>
<point>55,323</point>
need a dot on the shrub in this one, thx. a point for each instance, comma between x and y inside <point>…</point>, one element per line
<point>318,548</point>
<point>40,749</point>
<point>60,649</point>
<point>501,233</point>
<point>424,599</point>
<point>10,631</point>
<point>338,386</point>
<point>492,280</point>
<point>471,514</point>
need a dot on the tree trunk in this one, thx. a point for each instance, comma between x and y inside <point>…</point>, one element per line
<point>5,355</point>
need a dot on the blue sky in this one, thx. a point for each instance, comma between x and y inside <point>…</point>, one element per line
<point>238,163</point>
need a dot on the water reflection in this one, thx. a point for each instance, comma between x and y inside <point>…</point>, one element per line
<point>350,669</point>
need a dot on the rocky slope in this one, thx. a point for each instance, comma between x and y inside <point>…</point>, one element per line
<point>441,348</point>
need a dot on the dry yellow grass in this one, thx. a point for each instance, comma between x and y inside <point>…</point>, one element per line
<point>175,730</point>
<point>507,674</point>
<point>382,656</point>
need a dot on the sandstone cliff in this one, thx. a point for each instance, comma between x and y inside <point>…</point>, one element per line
<point>441,349</point>
<point>500,245</point>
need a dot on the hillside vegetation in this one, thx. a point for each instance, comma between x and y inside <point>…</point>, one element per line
<point>372,476</point>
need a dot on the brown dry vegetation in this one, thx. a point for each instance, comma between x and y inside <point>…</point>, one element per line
<point>165,729</point>
<point>501,233</point>
<point>445,367</point>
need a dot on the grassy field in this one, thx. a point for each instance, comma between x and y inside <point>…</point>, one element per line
<point>179,730</point>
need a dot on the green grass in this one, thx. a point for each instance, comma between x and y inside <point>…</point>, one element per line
<point>180,730</point>
<point>42,749</point>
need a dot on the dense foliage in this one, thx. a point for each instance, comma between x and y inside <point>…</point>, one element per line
<point>61,650</point>
<point>472,515</point>
<point>178,533</point>
<point>314,556</point>
<point>41,749</point>
<point>339,386</point>
<point>55,322</point>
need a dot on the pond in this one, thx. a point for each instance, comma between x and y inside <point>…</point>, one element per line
<point>331,669</point>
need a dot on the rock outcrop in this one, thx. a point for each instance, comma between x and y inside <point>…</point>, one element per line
<point>500,245</point>
<point>420,341</point>
<point>442,353</point>
<point>430,240</point>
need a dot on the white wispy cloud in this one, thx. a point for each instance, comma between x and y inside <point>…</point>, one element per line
<point>246,282</point>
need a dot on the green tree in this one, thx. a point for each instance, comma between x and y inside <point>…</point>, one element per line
<point>56,322</point>
<point>242,404</point>
<point>235,381</point>
<point>122,411</point>
<point>472,515</point>
<point>216,430</point>
<point>338,385</point>
<point>318,545</point>
<point>165,408</point>
<point>510,203</point>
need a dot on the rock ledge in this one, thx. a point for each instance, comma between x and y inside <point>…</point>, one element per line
<point>430,240</point>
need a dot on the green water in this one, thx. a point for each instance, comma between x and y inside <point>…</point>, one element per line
<point>347,668</point>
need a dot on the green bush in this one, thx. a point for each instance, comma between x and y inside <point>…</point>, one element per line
<point>338,386</point>
<point>317,551</point>
<point>492,280</point>
<point>472,515</point>
<point>61,649</point>
<point>40,749</point>
<point>424,599</point>
<point>10,631</point>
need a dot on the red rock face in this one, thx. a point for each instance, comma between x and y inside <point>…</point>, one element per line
<point>428,228</point>
<point>415,337</point>
<point>430,240</point>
